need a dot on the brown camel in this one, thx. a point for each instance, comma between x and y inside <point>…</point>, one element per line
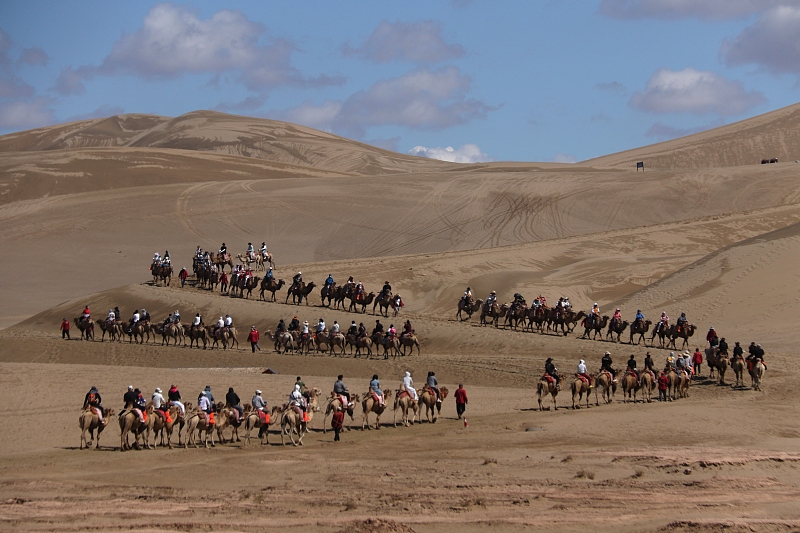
<point>647,384</point>
<point>337,341</point>
<point>360,343</point>
<point>605,386</point>
<point>292,421</point>
<point>630,386</point>
<point>663,335</point>
<point>537,317</point>
<point>566,320</point>
<point>384,301</point>
<point>86,327</point>
<point>616,328</point>
<point>544,388</point>
<point>685,332</point>
<point>390,345</point>
<point>370,405</point>
<point>283,340</point>
<point>427,398</point>
<point>228,417</point>
<point>165,428</point>
<point>737,365</point>
<point>758,374</point>
<point>514,316</point>
<point>89,422</point>
<point>683,384</point>
<point>221,260</point>
<point>495,312</point>
<point>300,293</point>
<point>271,286</point>
<point>716,362</point>
<point>468,308</point>
<point>335,404</point>
<point>327,292</point>
<point>406,404</point>
<point>114,330</point>
<point>253,420</point>
<point>409,341</point>
<point>640,328</point>
<point>129,422</point>
<point>595,327</point>
<point>171,331</point>
<point>362,299</point>
<point>196,334</point>
<point>580,387</point>
<point>673,383</point>
<point>199,425</point>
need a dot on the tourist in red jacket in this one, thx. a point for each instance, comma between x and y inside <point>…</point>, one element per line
<point>253,338</point>
<point>663,384</point>
<point>461,399</point>
<point>65,329</point>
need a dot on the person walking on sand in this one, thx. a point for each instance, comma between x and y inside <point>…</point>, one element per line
<point>65,329</point>
<point>337,422</point>
<point>253,338</point>
<point>183,275</point>
<point>461,400</point>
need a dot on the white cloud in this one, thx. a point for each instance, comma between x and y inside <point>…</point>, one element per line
<point>678,9</point>
<point>174,40</point>
<point>469,153</point>
<point>418,42</point>
<point>695,91</point>
<point>561,157</point>
<point>421,99</point>
<point>772,42</point>
<point>664,132</point>
<point>23,114</point>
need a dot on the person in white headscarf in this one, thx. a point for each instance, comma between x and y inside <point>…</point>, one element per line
<point>408,385</point>
<point>582,369</point>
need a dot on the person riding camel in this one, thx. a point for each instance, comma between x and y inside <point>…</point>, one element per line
<point>386,290</point>
<point>228,321</point>
<point>378,328</point>
<point>263,251</point>
<point>176,317</point>
<point>408,386</point>
<point>722,347</point>
<point>321,327</point>
<point>296,281</point>
<point>565,304</point>
<point>304,332</point>
<point>329,281</point>
<point>167,260</point>
<point>559,307</point>
<point>391,334</point>
<point>131,401</point>
<point>233,401</point>
<point>223,250</point>
<point>632,367</point>
<point>648,364</point>
<point>86,315</point>
<point>639,318</point>
<point>491,300</point>
<point>616,320</point>
<point>407,329</point>
<point>467,296</point>
<point>581,371</point>
<point>144,316</point>
<point>157,259</point>
<point>220,325</point>
<point>258,402</point>
<point>281,327</point>
<point>518,302</point>
<point>350,284</point>
<point>294,325</point>
<point>594,315</point>
<point>737,352</point>
<point>671,364</point>
<point>159,403</point>
<point>135,318</point>
<point>340,389</point>
<point>711,338</point>
<point>551,370</point>
<point>298,402</point>
<point>174,397</point>
<point>543,300</point>
<point>537,303</point>
<point>93,401</point>
<point>197,323</point>
<point>663,322</point>
<point>251,252</point>
<point>334,330</point>
<point>204,407</point>
<point>353,330</point>
<point>362,331</point>
<point>248,274</point>
<point>605,364</point>
<point>375,388</point>
<point>682,320</point>
<point>112,317</point>
<point>433,384</point>
<point>359,291</point>
<point>269,275</point>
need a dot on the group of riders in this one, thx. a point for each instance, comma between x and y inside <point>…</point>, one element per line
<point>355,332</point>
<point>172,319</point>
<point>682,364</point>
<point>203,258</point>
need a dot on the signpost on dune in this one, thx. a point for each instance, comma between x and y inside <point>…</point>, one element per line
<point>639,165</point>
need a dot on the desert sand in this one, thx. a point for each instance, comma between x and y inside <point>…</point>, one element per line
<point>705,230</point>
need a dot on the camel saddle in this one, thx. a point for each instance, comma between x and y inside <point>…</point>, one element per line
<point>375,396</point>
<point>583,378</point>
<point>342,399</point>
<point>549,378</point>
<point>263,416</point>
<point>606,372</point>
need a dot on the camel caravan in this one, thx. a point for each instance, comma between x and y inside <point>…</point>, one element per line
<point>167,421</point>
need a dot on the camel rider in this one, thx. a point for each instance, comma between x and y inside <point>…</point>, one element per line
<point>559,307</point>
<point>543,300</point>
<point>251,252</point>
<point>648,363</point>
<point>663,322</point>
<point>391,334</point>
<point>680,364</point>
<point>350,283</point>
<point>270,275</point>
<point>176,317</point>
<point>166,322</point>
<point>248,274</point>
<point>281,328</point>
<point>135,318</point>
<point>594,315</point>
<point>605,364</point>
<point>140,403</point>
<point>433,384</point>
<point>639,317</point>
<point>407,329</point>
<point>682,320</point>
<point>167,260</point>
<point>632,367</point>
<point>294,325</point>
<point>159,403</point>
<point>144,316</point>
<point>378,328</point>
<point>303,389</point>
<point>467,296</point>
<point>687,362</point>
<point>258,403</point>
<point>223,250</point>
<point>86,315</point>
<point>670,363</point>
<point>737,351</point>
<point>386,290</point>
<point>491,299</point>
<point>375,388</point>
<point>565,304</point>
<point>334,330</point>
<point>94,402</point>
<point>616,320</point>
<point>204,406</point>
<point>353,329</point>
<point>117,313</point>
<point>551,370</point>
<point>321,327</point>
<point>359,290</point>
<point>723,347</point>
<point>232,399</point>
<point>518,301</point>
<point>296,281</point>
<point>174,396</point>
<point>112,317</point>
<point>581,371</point>
<point>329,281</point>
<point>304,332</point>
<point>340,389</point>
<point>537,303</point>
<point>210,396</point>
<point>198,321</point>
<point>362,330</point>
<point>711,337</point>
<point>220,325</point>
<point>408,386</point>
<point>156,258</point>
<point>297,400</point>
<point>228,321</point>
<point>397,303</point>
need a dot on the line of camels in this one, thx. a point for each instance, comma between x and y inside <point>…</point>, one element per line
<point>548,320</point>
<point>194,428</point>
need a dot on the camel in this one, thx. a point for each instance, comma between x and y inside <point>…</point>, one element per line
<point>683,384</point>
<point>630,386</point>
<point>244,283</point>
<point>545,387</point>
<point>327,293</point>
<point>468,308</point>
<point>227,417</point>
<point>757,375</point>
<point>604,383</point>
<point>221,260</point>
<point>515,316</point>
<point>405,403</point>
<point>567,320</point>
<point>165,428</point>
<point>537,316</point>
<point>284,340</point>
<point>253,420</point>
<point>203,425</point>
<point>171,331</point>
<point>385,302</point>
<point>717,362</point>
<point>129,422</point>
<point>165,274</point>
<point>337,341</point>
<point>391,344</point>
<point>432,408</point>
<point>299,293</point>
<point>220,335</point>
<point>339,294</point>
<point>196,334</point>
<point>364,301</point>
<point>86,327</point>
<point>359,343</point>
<point>409,341</point>
<point>595,327</point>
<point>579,388</point>
<point>673,381</point>
<point>640,328</point>
<point>647,384</point>
<point>494,312</point>
<point>89,422</point>
<point>335,404</point>
<point>662,332</point>
<point>616,328</point>
<point>370,405</point>
<point>136,333</point>
<point>114,330</point>
<point>685,332</point>
<point>292,422</point>
<point>737,365</point>
<point>271,286</point>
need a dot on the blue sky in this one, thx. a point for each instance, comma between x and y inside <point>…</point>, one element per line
<point>562,80</point>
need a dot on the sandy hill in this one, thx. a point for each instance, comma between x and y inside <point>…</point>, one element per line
<point>775,134</point>
<point>209,131</point>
